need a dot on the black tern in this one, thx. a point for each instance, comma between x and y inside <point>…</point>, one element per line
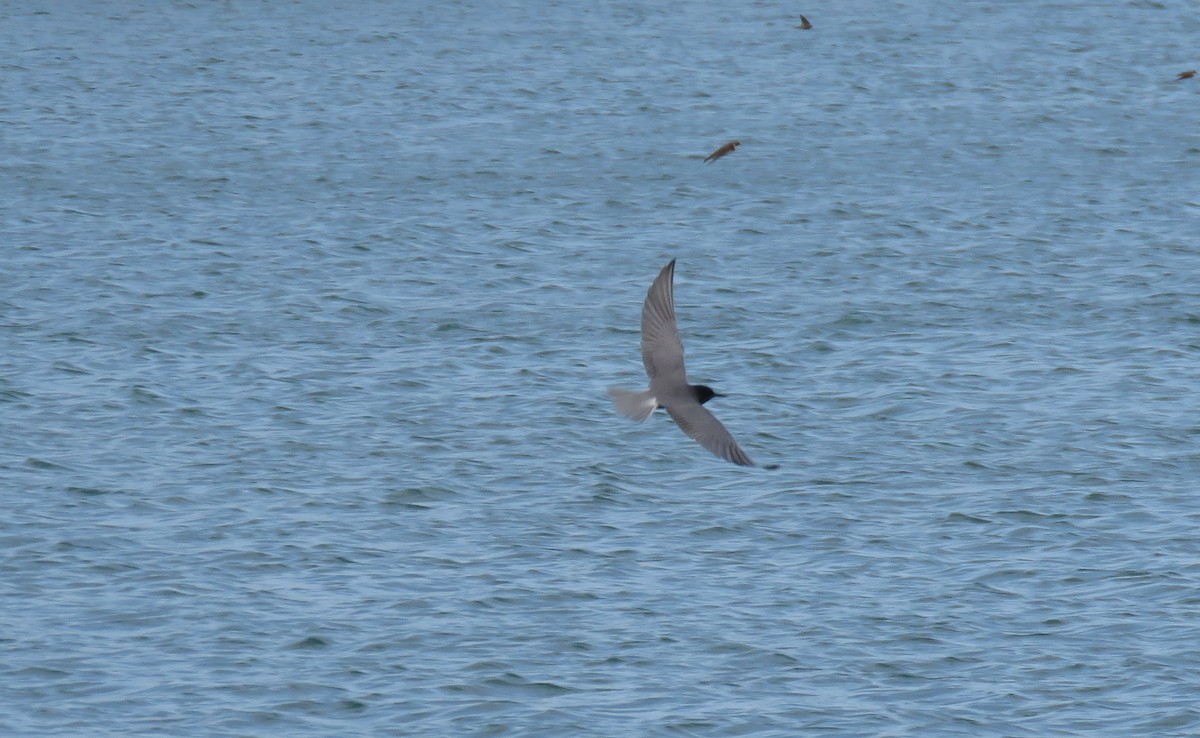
<point>725,149</point>
<point>662,355</point>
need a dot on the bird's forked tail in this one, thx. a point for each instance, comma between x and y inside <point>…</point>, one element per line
<point>633,405</point>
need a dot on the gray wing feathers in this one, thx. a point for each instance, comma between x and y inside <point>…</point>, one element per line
<point>703,426</point>
<point>662,348</point>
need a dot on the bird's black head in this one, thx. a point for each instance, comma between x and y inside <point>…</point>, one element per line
<point>704,393</point>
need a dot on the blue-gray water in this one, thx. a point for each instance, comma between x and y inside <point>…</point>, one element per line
<point>307,312</point>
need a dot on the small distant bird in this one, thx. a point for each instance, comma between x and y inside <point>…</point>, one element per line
<point>731,146</point>
<point>662,355</point>
<point>1186,75</point>
<point>804,24</point>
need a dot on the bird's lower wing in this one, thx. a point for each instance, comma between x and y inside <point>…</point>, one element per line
<point>703,426</point>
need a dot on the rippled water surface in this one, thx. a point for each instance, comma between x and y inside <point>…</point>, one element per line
<point>307,312</point>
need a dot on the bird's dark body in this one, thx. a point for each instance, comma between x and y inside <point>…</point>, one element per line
<point>703,393</point>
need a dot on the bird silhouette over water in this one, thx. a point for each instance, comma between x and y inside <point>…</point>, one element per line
<point>731,146</point>
<point>662,355</point>
<point>804,24</point>
<point>1186,75</point>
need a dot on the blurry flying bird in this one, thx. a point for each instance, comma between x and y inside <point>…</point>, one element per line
<point>727,148</point>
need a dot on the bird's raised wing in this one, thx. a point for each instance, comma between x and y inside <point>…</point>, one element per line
<point>662,348</point>
<point>703,426</point>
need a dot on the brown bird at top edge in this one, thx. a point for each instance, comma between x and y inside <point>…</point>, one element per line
<point>1186,75</point>
<point>804,24</point>
<point>722,151</point>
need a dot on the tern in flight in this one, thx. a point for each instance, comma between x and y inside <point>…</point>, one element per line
<point>662,355</point>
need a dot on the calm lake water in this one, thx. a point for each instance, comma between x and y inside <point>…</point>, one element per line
<point>307,312</point>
